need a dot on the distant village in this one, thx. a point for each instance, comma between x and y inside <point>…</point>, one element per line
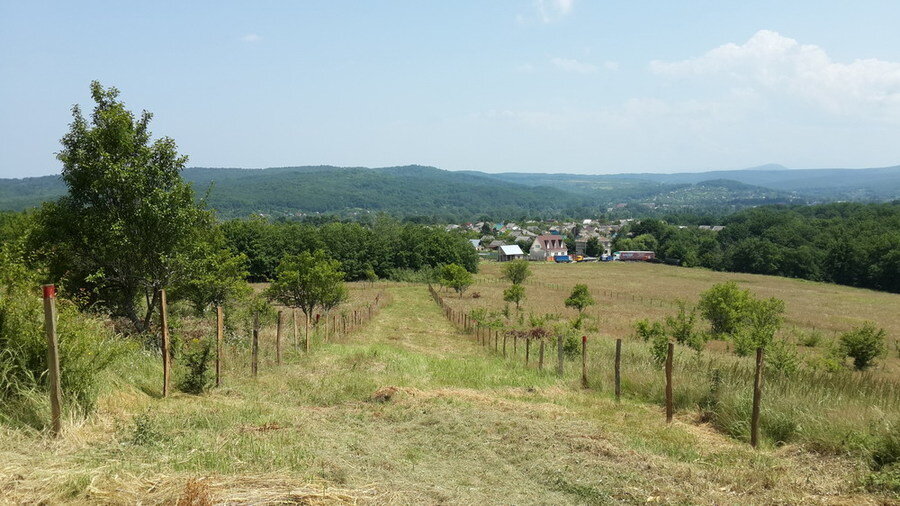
<point>575,241</point>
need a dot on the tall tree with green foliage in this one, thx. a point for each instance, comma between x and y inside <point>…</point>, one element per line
<point>457,278</point>
<point>593,248</point>
<point>128,220</point>
<point>307,281</point>
<point>580,298</point>
<point>516,271</point>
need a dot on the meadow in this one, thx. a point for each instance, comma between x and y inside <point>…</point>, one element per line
<point>406,409</point>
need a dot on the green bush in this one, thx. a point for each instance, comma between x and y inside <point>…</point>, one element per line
<point>724,305</point>
<point>781,357</point>
<point>86,349</point>
<point>863,345</point>
<point>195,357</point>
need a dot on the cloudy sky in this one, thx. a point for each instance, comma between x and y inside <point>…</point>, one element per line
<point>515,85</point>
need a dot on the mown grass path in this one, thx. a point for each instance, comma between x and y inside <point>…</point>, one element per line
<point>406,410</point>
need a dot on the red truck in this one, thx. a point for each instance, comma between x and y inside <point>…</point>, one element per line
<point>636,256</point>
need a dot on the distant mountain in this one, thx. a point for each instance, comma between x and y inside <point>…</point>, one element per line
<point>878,184</point>
<point>416,190</point>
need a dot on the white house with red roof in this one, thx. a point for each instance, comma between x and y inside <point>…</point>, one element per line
<point>547,246</point>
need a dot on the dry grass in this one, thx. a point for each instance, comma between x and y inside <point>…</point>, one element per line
<point>459,426</point>
<point>626,292</point>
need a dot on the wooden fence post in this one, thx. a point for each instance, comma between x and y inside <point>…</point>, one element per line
<point>49,292</point>
<point>559,355</point>
<point>164,319</point>
<point>504,344</point>
<point>496,339</point>
<point>278,340</point>
<point>584,381</point>
<point>254,349</point>
<point>294,321</point>
<point>527,350</point>
<point>757,394</point>
<point>669,407</point>
<point>220,330</point>
<point>618,369</point>
<point>541,356</point>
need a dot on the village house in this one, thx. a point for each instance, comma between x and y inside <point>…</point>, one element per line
<point>509,252</point>
<point>476,243</point>
<point>547,246</point>
<point>495,244</point>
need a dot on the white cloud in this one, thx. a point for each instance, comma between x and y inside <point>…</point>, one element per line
<point>251,37</point>
<point>781,67</point>
<point>553,10</point>
<point>611,65</point>
<point>573,65</point>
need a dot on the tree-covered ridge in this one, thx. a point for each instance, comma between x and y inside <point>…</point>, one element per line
<point>436,195</point>
<point>846,243</point>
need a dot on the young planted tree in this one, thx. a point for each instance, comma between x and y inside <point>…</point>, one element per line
<point>516,271</point>
<point>863,345</point>
<point>580,298</point>
<point>457,278</point>
<point>759,321</point>
<point>515,294</point>
<point>215,275</point>
<point>681,327</point>
<point>307,281</point>
<point>129,221</point>
<point>724,305</point>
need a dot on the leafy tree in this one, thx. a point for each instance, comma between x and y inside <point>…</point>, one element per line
<point>128,220</point>
<point>456,277</point>
<point>759,321</point>
<point>863,345</point>
<point>593,248</point>
<point>516,271</point>
<point>515,294</point>
<point>307,281</point>
<point>580,298</point>
<point>216,274</point>
<point>723,306</point>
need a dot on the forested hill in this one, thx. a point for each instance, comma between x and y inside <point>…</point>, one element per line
<point>452,196</point>
<point>402,191</point>
<point>405,191</point>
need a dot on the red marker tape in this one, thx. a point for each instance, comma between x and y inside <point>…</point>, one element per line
<point>49,291</point>
<point>583,339</point>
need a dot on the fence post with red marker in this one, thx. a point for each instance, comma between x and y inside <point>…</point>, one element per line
<point>49,292</point>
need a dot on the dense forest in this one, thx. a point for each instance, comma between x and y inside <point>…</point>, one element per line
<point>846,243</point>
<point>383,249</point>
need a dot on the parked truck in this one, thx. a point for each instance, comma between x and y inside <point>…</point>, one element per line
<point>635,256</point>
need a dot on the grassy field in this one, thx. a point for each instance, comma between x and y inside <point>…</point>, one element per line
<point>405,410</point>
<point>626,292</point>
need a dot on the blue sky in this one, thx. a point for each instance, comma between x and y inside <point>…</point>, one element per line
<point>530,85</point>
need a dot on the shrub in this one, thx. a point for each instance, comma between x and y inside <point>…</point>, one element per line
<point>196,355</point>
<point>810,339</point>
<point>86,350</point>
<point>887,448</point>
<point>863,345</point>
<point>781,357</point>
<point>723,305</point>
<point>681,328</point>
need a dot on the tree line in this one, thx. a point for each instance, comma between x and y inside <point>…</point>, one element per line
<point>846,243</point>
